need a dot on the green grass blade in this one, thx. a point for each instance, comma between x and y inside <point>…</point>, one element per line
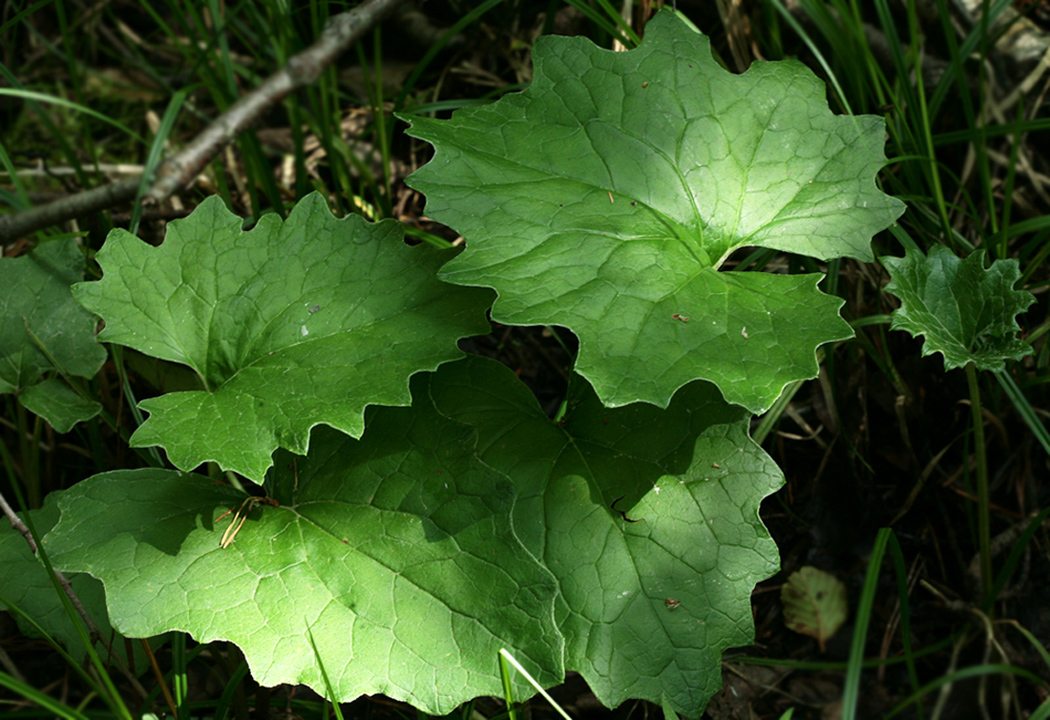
<point>602,21</point>
<point>21,200</point>
<point>772,416</point>
<point>70,660</point>
<point>430,238</point>
<point>959,53</point>
<point>329,691</point>
<point>1014,558</point>
<point>156,152</point>
<point>965,673</point>
<point>431,53</point>
<point>625,28</point>
<point>70,105</point>
<point>1039,647</point>
<point>851,691</point>
<point>225,702</point>
<point>905,615</point>
<point>443,106</point>
<point>31,693</point>
<point>180,681</point>
<point>932,649</point>
<point>1035,252</point>
<point>49,125</point>
<point>1042,712</point>
<point>22,15</point>
<point>1024,409</point>
<point>532,681</point>
<point>108,690</point>
<point>508,689</point>
<point>790,19</point>
<point>990,132</point>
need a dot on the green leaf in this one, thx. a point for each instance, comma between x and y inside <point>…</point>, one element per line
<point>59,404</point>
<point>288,325</point>
<point>27,587</point>
<point>43,329</point>
<point>647,517</point>
<point>465,523</point>
<point>396,551</point>
<point>966,312</point>
<point>606,196</point>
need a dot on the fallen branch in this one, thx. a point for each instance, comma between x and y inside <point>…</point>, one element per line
<point>182,168</point>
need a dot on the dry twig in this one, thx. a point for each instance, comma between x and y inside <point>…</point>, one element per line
<point>182,168</point>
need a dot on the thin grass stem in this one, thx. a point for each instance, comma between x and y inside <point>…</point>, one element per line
<point>532,681</point>
<point>508,688</point>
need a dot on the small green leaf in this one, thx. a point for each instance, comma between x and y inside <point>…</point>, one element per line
<point>58,404</point>
<point>606,197</point>
<point>966,312</point>
<point>43,329</point>
<point>814,603</point>
<point>288,325</point>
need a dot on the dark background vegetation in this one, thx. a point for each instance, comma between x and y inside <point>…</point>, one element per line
<point>883,438</point>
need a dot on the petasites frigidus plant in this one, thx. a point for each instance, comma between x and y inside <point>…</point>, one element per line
<point>46,336</point>
<point>287,326</point>
<point>606,197</point>
<point>623,540</point>
<point>966,312</point>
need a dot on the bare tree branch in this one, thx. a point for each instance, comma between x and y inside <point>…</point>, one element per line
<point>74,206</point>
<point>182,168</point>
<point>340,32</point>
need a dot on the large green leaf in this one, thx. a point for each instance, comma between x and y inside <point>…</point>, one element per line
<point>288,325</point>
<point>606,196</point>
<point>966,312</point>
<point>652,595</point>
<point>465,523</point>
<point>396,551</point>
<point>43,329</point>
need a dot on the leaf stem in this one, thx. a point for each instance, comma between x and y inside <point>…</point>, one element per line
<point>983,536</point>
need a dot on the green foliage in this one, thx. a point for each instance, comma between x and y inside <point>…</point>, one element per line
<point>288,325</point>
<point>968,314</point>
<point>965,311</point>
<point>465,523</point>
<point>415,539</point>
<point>647,517</point>
<point>60,405</point>
<point>606,197</point>
<point>27,586</point>
<point>409,584</point>
<point>44,331</point>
